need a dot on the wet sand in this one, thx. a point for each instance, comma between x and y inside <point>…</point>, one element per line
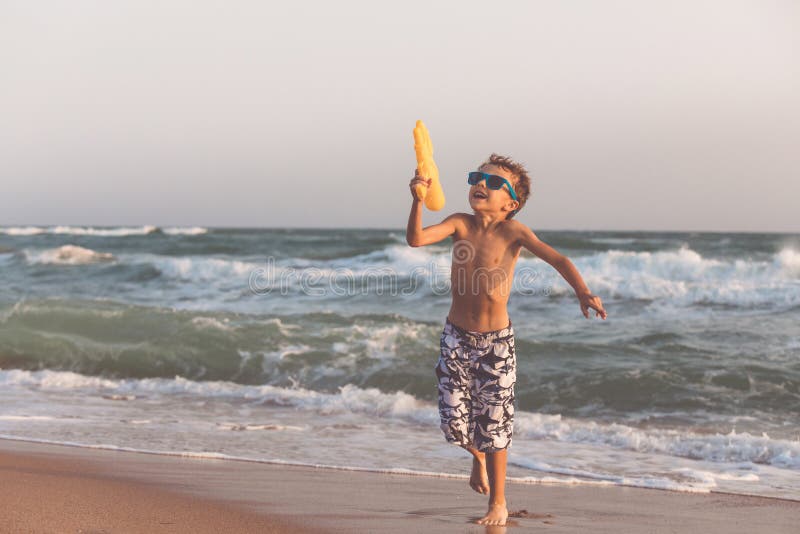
<point>55,488</point>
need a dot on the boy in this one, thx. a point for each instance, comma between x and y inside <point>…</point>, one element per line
<point>476,370</point>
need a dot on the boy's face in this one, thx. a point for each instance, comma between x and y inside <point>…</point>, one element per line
<point>483,199</point>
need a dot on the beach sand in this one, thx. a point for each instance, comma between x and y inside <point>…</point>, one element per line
<point>56,488</point>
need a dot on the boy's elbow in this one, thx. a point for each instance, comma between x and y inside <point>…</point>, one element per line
<point>413,242</point>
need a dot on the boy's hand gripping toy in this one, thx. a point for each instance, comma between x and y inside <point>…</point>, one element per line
<point>433,195</point>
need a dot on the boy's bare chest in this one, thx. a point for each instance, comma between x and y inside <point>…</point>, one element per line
<point>484,252</point>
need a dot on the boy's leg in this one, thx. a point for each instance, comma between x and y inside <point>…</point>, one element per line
<point>496,469</point>
<point>479,479</point>
<point>494,415</point>
<point>455,401</point>
<point>496,466</point>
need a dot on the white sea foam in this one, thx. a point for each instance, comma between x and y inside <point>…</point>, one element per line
<point>787,261</point>
<point>192,230</point>
<point>212,322</point>
<point>728,448</point>
<point>120,231</point>
<point>199,269</point>
<point>22,230</point>
<point>700,486</point>
<point>680,277</point>
<point>109,232</point>
<point>684,277</point>
<point>68,255</point>
<point>712,477</point>
<point>731,447</point>
<point>55,380</point>
<point>397,259</point>
<point>627,481</point>
<point>378,342</point>
<point>281,353</point>
<point>283,328</point>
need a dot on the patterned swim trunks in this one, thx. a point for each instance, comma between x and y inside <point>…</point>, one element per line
<point>476,373</point>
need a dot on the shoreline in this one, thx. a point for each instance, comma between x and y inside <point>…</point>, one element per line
<point>128,491</point>
<point>199,456</point>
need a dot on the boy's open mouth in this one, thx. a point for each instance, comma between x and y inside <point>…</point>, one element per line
<point>480,194</point>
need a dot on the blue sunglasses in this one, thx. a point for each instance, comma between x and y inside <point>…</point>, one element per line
<point>492,182</point>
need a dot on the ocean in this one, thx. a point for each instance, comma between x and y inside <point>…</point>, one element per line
<point>318,347</point>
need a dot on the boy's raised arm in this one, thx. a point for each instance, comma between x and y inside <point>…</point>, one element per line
<point>565,267</point>
<point>416,235</point>
<point>544,251</point>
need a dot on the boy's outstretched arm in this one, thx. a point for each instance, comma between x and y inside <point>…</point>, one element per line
<point>565,267</point>
<point>416,235</point>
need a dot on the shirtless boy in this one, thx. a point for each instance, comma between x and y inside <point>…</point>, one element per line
<point>476,370</point>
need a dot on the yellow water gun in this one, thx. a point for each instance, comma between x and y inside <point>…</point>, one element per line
<point>432,195</point>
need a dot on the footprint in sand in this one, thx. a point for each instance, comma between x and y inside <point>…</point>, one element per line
<point>531,515</point>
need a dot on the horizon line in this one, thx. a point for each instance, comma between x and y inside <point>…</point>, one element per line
<point>391,228</point>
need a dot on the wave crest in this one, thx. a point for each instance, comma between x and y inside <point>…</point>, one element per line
<point>120,231</point>
<point>69,255</point>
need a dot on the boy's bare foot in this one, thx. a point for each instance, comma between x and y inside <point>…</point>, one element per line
<point>479,480</point>
<point>497,515</point>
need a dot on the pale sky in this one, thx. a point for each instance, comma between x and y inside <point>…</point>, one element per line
<point>630,115</point>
